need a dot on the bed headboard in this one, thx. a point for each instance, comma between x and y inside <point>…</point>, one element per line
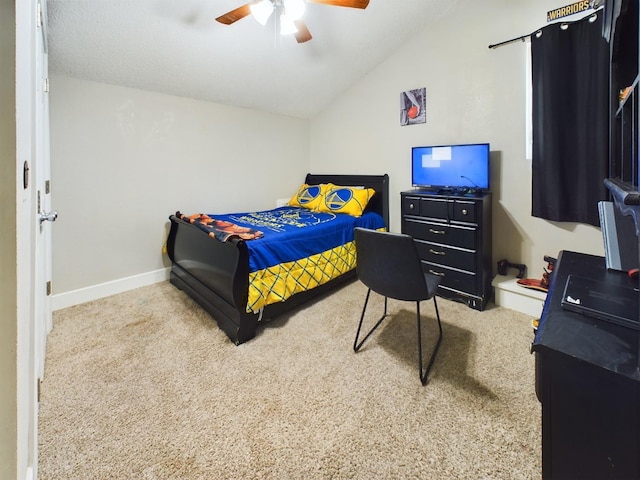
<point>380,183</point>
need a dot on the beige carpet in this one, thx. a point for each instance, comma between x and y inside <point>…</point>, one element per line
<point>143,385</point>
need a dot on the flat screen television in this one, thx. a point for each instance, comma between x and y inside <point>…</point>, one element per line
<point>452,168</point>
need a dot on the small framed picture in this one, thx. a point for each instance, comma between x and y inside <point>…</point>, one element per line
<point>413,106</point>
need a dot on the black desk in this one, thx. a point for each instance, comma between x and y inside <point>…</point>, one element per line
<point>588,383</point>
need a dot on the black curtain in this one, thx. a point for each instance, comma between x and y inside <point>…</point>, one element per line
<point>570,75</point>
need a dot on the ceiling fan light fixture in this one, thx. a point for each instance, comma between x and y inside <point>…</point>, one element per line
<point>261,11</point>
<point>294,9</point>
<point>287,27</point>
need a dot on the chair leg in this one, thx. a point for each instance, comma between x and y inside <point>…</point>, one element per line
<point>423,375</point>
<point>356,345</point>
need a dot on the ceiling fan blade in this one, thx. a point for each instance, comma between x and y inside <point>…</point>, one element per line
<point>303,34</point>
<point>235,15</point>
<point>343,3</point>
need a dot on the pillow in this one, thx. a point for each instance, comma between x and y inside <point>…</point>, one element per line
<point>342,199</point>
<point>309,196</point>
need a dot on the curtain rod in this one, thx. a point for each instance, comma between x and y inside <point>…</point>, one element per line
<point>591,17</point>
<point>522,37</point>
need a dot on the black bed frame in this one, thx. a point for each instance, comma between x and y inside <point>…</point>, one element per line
<point>216,274</point>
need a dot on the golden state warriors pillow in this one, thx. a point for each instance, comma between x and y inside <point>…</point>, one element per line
<point>308,196</point>
<point>341,199</point>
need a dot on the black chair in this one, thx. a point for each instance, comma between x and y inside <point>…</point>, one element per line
<point>388,264</point>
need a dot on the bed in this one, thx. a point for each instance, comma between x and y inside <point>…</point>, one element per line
<point>219,275</point>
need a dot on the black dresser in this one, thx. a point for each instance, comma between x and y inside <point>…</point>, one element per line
<point>588,382</point>
<point>453,236</point>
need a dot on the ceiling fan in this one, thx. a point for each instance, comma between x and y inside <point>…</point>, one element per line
<point>288,14</point>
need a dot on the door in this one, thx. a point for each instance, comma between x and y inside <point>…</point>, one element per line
<point>34,233</point>
<point>44,216</point>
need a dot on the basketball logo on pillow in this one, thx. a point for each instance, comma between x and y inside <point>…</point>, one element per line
<point>349,200</point>
<point>308,195</point>
<point>337,199</point>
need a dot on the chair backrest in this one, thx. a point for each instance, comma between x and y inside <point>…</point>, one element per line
<point>388,263</point>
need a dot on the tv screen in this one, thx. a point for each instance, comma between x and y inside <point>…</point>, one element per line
<point>451,167</point>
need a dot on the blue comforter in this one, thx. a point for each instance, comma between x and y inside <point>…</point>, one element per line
<point>293,233</point>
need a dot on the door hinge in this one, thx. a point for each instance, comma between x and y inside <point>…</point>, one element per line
<point>39,388</point>
<point>39,15</point>
<point>47,186</point>
<point>49,287</point>
<point>25,175</point>
<point>46,85</point>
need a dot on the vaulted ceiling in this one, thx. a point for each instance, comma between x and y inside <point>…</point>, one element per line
<point>176,47</point>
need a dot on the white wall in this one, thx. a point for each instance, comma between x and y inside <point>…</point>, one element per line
<point>123,160</point>
<point>474,94</point>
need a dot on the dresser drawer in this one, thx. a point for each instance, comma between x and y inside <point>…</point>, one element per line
<point>410,205</point>
<point>455,279</point>
<point>455,235</point>
<point>464,211</point>
<point>436,208</point>
<point>450,257</point>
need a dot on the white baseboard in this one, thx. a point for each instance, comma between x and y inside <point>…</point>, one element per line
<point>510,295</point>
<point>95,292</point>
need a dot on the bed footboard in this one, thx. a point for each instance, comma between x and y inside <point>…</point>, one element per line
<point>215,274</point>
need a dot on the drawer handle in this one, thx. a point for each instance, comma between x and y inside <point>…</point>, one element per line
<point>436,252</point>
<point>440,274</point>
<point>464,211</point>
<point>411,206</point>
<point>437,232</point>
